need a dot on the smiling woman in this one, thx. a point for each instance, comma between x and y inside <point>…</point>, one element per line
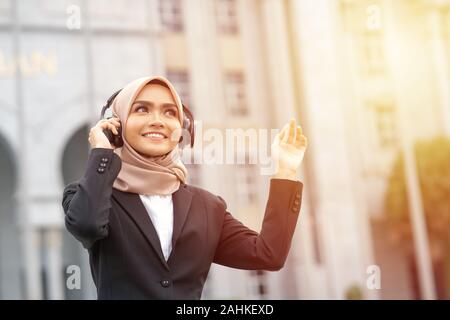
<point>159,236</point>
<point>153,127</point>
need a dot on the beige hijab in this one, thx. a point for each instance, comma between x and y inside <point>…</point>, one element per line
<point>160,175</point>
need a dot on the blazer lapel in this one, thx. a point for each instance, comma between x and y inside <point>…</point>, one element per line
<point>133,206</point>
<point>131,203</point>
<point>181,203</point>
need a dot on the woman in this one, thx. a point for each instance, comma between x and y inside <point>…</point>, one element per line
<point>150,235</point>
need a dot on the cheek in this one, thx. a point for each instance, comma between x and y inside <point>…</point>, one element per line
<point>176,131</point>
<point>132,128</point>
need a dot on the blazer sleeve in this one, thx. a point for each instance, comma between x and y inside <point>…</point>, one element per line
<point>87,203</point>
<point>242,248</point>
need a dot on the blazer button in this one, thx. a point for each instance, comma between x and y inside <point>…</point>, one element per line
<point>103,165</point>
<point>104,160</point>
<point>294,209</point>
<point>297,196</point>
<point>296,202</point>
<point>101,170</point>
<point>165,283</point>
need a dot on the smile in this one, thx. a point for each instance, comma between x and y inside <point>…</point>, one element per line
<point>154,136</point>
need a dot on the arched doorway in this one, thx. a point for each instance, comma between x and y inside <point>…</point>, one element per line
<point>11,273</point>
<point>73,165</point>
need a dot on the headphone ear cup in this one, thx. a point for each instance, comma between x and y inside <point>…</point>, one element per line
<point>191,130</point>
<point>186,124</point>
<point>118,141</point>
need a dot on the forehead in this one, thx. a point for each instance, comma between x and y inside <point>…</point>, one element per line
<point>155,93</point>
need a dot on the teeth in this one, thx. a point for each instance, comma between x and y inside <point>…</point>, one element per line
<point>157,135</point>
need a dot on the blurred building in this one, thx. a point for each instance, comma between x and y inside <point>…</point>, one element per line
<point>342,67</point>
<point>358,65</point>
<point>57,74</point>
<point>396,64</point>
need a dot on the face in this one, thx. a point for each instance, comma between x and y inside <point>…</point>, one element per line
<point>153,126</point>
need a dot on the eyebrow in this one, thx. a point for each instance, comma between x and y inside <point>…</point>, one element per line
<point>148,103</point>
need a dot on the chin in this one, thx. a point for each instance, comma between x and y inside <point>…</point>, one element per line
<point>155,152</point>
<point>151,153</point>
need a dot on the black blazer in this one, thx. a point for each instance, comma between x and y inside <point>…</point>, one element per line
<point>124,249</point>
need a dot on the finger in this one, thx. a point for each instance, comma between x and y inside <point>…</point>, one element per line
<point>103,124</point>
<point>284,133</point>
<point>114,117</point>
<point>113,128</point>
<point>110,126</point>
<point>115,122</point>
<point>112,120</point>
<point>292,129</point>
<point>276,139</point>
<point>298,134</point>
<point>301,142</point>
<point>280,135</point>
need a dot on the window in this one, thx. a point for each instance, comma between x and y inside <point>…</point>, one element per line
<point>363,22</point>
<point>258,284</point>
<point>171,15</point>
<point>226,13</point>
<point>180,80</point>
<point>234,94</point>
<point>443,18</point>
<point>385,125</point>
<point>373,53</point>
<point>247,183</point>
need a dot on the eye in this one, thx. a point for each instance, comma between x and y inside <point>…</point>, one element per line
<point>172,112</point>
<point>140,109</point>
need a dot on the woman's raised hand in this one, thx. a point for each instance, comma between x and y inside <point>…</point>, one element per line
<point>288,150</point>
<point>97,137</point>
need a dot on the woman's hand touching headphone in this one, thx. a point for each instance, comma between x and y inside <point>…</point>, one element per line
<point>97,137</point>
<point>288,150</point>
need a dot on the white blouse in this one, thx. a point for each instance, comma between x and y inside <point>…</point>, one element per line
<point>160,210</point>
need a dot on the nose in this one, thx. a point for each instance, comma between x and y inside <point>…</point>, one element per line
<point>155,120</point>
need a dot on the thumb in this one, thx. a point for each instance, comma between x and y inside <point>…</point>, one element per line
<point>276,141</point>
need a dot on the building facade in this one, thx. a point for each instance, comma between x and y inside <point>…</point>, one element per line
<point>341,67</point>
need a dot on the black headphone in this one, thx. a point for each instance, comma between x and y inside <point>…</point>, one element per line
<point>188,125</point>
